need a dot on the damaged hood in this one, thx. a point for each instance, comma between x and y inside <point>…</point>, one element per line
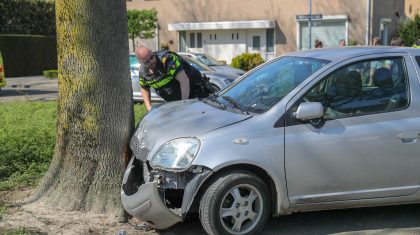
<point>189,118</point>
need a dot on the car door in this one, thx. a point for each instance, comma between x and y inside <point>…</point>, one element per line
<point>366,144</point>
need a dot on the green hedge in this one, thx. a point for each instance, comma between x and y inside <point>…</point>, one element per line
<point>247,61</point>
<point>26,55</point>
<point>50,73</point>
<point>35,17</point>
<point>409,30</point>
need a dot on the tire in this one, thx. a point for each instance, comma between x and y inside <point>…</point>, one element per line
<point>230,194</point>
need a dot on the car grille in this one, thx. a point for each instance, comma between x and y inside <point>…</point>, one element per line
<point>138,148</point>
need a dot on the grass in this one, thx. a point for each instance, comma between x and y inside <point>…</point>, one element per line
<point>19,231</point>
<point>27,138</point>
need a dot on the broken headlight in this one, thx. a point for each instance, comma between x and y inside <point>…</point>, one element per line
<point>176,155</point>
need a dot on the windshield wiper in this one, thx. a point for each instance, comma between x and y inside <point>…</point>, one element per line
<point>214,99</point>
<point>232,101</point>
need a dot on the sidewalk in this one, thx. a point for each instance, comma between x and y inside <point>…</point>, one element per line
<point>34,88</point>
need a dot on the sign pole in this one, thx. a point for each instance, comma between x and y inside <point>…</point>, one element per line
<point>309,24</point>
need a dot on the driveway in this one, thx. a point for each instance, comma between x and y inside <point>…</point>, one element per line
<point>33,88</point>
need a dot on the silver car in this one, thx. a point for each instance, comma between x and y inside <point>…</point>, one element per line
<point>218,80</point>
<point>312,130</point>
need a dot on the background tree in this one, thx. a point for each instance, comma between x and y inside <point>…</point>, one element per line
<point>95,108</point>
<point>409,30</point>
<point>141,24</point>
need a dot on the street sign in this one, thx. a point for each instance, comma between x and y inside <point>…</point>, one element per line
<point>306,17</point>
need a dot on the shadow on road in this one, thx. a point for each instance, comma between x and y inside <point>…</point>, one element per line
<point>25,92</point>
<point>379,220</point>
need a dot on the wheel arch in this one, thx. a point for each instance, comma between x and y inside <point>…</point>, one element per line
<point>253,169</point>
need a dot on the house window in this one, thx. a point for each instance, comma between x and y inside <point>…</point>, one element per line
<point>270,40</point>
<point>192,40</point>
<point>256,43</point>
<point>182,41</point>
<point>199,40</point>
<point>329,32</point>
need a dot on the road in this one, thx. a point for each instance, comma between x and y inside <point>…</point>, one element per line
<point>376,220</point>
<point>35,88</point>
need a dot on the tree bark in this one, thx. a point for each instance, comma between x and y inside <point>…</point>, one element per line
<point>95,108</point>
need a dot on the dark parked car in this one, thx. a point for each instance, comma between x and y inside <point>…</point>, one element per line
<point>217,80</point>
<point>213,63</point>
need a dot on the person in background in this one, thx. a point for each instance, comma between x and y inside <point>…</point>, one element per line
<point>397,42</point>
<point>417,44</point>
<point>342,43</point>
<point>318,43</point>
<point>170,75</point>
<point>376,41</point>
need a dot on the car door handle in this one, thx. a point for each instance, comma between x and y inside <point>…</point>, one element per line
<point>409,137</point>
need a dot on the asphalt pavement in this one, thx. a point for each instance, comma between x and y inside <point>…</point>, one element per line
<point>34,88</point>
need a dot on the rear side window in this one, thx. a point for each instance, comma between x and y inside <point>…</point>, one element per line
<point>365,87</point>
<point>418,60</point>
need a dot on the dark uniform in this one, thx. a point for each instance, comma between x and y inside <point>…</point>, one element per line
<point>168,65</point>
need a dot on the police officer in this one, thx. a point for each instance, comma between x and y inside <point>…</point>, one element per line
<point>170,75</point>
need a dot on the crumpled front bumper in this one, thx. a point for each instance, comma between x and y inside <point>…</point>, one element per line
<point>147,206</point>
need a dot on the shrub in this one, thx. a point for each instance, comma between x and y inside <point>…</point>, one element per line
<point>409,30</point>
<point>353,42</point>
<point>247,61</point>
<point>50,73</point>
<point>164,46</point>
<point>27,17</point>
<point>25,55</point>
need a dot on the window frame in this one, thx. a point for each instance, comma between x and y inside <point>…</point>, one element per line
<point>293,103</point>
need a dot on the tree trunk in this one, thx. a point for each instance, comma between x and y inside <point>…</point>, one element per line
<point>95,109</point>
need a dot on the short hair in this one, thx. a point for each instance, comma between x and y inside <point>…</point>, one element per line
<point>376,40</point>
<point>397,41</point>
<point>318,43</point>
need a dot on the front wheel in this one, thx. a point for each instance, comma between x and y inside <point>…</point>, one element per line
<point>236,203</point>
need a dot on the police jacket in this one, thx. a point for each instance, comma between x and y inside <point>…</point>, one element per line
<point>168,65</point>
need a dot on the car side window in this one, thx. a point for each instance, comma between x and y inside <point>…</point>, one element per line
<point>365,87</point>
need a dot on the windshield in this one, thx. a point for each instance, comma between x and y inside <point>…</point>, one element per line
<point>207,60</point>
<point>262,89</point>
<point>197,64</point>
<point>133,60</point>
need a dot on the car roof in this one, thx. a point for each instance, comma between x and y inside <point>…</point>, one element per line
<point>338,53</point>
<point>190,53</point>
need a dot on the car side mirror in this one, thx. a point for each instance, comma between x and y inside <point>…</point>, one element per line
<point>309,110</point>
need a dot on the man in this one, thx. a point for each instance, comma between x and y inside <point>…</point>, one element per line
<point>417,44</point>
<point>342,43</point>
<point>171,76</point>
<point>397,42</point>
<point>376,41</point>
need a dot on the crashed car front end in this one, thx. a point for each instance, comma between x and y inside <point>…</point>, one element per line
<point>159,186</point>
